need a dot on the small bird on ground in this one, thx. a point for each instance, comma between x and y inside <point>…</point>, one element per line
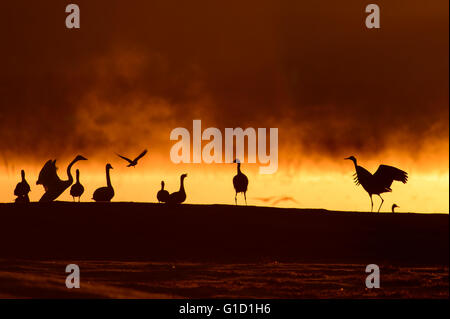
<point>22,189</point>
<point>394,206</point>
<point>77,189</point>
<point>180,196</point>
<point>163,195</point>
<point>133,163</point>
<point>240,182</point>
<point>105,194</point>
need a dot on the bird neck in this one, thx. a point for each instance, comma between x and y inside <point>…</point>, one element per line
<point>162,186</point>
<point>354,162</point>
<point>69,168</point>
<point>239,168</point>
<point>23,176</point>
<point>108,179</point>
<point>181,183</point>
<point>78,176</point>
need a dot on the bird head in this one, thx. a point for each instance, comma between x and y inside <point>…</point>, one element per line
<point>108,166</point>
<point>394,206</point>
<point>352,158</point>
<point>80,158</point>
<point>183,176</point>
<point>237,161</point>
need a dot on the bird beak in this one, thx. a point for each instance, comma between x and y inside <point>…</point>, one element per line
<point>347,158</point>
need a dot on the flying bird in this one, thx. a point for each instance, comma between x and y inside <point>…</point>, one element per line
<point>22,189</point>
<point>133,163</point>
<point>105,194</point>
<point>285,199</point>
<point>394,206</point>
<point>240,182</point>
<point>162,195</point>
<point>274,200</point>
<point>77,189</point>
<point>378,183</point>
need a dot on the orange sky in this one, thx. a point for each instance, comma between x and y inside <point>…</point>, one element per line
<point>136,70</point>
<point>315,185</point>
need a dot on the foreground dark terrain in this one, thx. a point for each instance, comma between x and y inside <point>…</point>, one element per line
<point>198,251</point>
<point>117,279</point>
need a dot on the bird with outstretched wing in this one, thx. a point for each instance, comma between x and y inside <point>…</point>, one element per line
<point>380,182</point>
<point>385,175</point>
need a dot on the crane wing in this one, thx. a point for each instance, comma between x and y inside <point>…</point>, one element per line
<point>123,157</point>
<point>385,175</point>
<point>362,176</point>
<point>48,175</point>
<point>141,155</point>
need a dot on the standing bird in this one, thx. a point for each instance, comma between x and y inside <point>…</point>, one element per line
<point>180,196</point>
<point>53,185</point>
<point>240,182</point>
<point>133,163</point>
<point>22,189</point>
<point>380,182</point>
<point>394,206</point>
<point>77,189</point>
<point>163,195</point>
<point>105,194</point>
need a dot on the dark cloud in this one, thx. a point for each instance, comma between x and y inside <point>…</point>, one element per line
<point>137,69</point>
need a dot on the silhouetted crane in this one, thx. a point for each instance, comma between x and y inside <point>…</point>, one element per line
<point>162,195</point>
<point>22,189</point>
<point>133,163</point>
<point>180,196</point>
<point>77,189</point>
<point>105,194</point>
<point>380,182</point>
<point>240,182</point>
<point>394,206</point>
<point>53,185</point>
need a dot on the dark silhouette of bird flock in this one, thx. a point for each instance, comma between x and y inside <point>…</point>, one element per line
<point>374,184</point>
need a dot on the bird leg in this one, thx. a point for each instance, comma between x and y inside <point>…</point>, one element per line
<point>235,198</point>
<point>371,203</point>
<point>245,197</point>
<point>382,201</point>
